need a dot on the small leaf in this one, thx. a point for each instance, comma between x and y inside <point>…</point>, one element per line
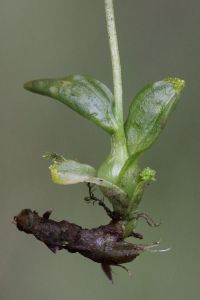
<point>84,94</point>
<point>71,172</point>
<point>149,113</point>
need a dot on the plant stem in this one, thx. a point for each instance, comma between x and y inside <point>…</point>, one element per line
<point>115,58</point>
<point>111,167</point>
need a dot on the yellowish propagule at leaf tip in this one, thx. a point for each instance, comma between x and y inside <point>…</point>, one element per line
<point>177,83</point>
<point>54,173</point>
<point>148,174</point>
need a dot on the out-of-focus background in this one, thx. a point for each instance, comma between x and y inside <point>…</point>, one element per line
<point>48,38</point>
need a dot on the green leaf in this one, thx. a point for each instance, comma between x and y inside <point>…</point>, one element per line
<point>71,172</point>
<point>149,113</point>
<point>84,94</point>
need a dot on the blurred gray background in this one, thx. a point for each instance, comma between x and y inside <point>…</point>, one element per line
<point>45,38</point>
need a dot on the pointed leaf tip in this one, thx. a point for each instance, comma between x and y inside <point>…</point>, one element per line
<point>28,85</point>
<point>35,86</point>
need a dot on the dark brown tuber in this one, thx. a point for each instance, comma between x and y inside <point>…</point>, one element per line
<point>104,244</point>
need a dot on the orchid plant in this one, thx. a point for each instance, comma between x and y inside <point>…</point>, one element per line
<point>120,177</point>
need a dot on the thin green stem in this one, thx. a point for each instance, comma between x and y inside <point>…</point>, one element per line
<point>115,58</point>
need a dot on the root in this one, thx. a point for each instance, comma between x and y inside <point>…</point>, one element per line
<point>147,218</point>
<point>92,198</point>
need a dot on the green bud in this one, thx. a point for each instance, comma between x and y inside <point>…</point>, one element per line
<point>148,175</point>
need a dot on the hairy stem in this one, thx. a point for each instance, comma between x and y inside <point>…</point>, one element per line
<point>115,58</point>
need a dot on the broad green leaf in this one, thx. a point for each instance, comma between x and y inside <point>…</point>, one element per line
<point>84,94</point>
<point>149,113</point>
<point>71,172</point>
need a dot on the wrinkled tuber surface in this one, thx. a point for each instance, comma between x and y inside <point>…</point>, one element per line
<point>104,244</point>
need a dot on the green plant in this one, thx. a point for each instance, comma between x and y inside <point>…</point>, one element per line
<point>119,177</point>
